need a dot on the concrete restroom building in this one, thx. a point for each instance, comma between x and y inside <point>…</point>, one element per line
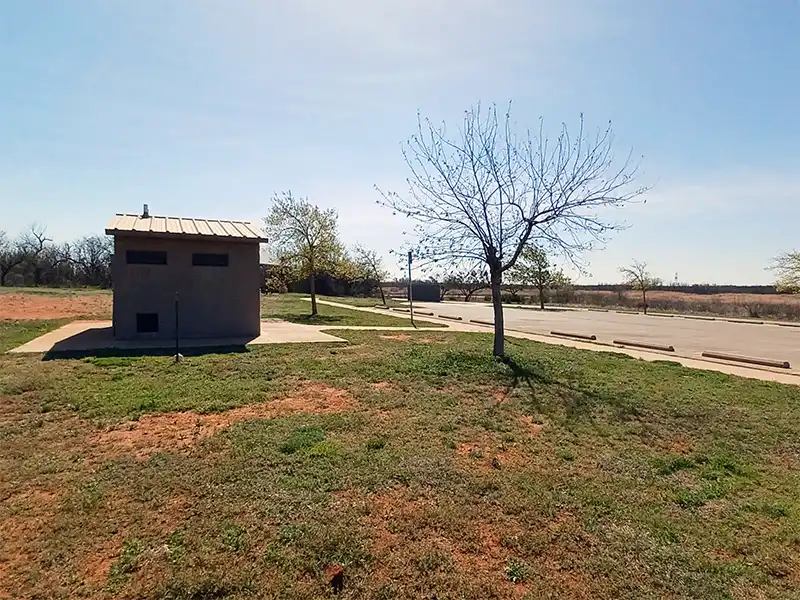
<point>211,265</point>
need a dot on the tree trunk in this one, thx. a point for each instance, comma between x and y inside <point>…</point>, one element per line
<point>644,300</point>
<point>312,288</point>
<point>467,296</point>
<point>497,305</point>
<point>383,298</point>
<point>541,297</point>
<point>3,277</point>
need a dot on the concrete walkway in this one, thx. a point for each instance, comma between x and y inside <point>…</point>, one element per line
<point>88,336</point>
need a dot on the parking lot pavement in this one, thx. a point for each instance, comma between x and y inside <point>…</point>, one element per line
<point>690,337</point>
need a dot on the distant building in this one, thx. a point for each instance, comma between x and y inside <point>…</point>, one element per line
<point>210,266</point>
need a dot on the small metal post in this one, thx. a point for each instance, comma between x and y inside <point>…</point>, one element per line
<point>178,356</point>
<point>410,291</point>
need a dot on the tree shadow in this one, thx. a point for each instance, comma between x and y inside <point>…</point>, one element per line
<point>578,403</point>
<point>140,352</point>
<point>311,319</point>
<point>99,342</point>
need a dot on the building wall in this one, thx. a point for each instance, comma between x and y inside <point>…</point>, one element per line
<point>214,301</point>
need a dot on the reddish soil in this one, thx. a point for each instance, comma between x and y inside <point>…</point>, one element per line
<point>32,508</point>
<point>382,385</point>
<point>477,553</point>
<point>166,431</point>
<point>36,307</point>
<point>398,337</point>
<point>530,425</point>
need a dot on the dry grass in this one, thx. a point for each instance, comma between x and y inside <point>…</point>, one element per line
<point>781,307</point>
<point>766,306</point>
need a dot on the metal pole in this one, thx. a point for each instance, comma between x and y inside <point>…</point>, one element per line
<point>410,291</point>
<point>177,335</point>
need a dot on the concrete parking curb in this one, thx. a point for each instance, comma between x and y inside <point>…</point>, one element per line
<point>479,322</point>
<point>627,312</point>
<point>698,318</point>
<point>647,345</point>
<point>765,362</point>
<point>580,336</point>
<point>449,317</point>
<point>745,321</point>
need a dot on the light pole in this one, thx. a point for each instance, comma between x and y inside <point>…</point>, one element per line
<point>410,293</point>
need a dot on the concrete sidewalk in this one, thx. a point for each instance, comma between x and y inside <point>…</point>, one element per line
<point>88,336</point>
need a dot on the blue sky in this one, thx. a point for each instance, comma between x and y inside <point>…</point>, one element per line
<point>205,108</point>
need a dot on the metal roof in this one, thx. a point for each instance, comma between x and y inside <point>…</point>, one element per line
<point>152,226</point>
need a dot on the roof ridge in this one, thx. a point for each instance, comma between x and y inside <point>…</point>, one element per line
<point>137,216</point>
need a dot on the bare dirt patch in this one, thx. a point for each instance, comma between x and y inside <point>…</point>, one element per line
<point>398,337</point>
<point>157,432</point>
<point>405,533</point>
<point>382,385</point>
<point>486,456</point>
<point>24,521</point>
<point>39,307</point>
<point>530,424</point>
<point>103,552</point>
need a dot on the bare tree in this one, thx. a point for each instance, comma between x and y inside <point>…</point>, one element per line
<point>483,194</point>
<point>787,267</point>
<point>639,278</point>
<point>306,236</point>
<point>371,262</point>
<point>91,256</point>
<point>467,281</point>
<point>12,254</point>
<point>35,242</point>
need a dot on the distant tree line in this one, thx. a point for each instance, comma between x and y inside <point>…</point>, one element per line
<point>34,259</point>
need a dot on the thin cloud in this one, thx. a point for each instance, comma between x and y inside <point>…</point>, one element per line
<point>728,193</point>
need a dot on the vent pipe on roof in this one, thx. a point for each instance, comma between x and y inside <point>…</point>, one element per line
<point>145,212</point>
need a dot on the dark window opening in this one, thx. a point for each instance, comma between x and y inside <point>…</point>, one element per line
<point>210,260</point>
<point>146,322</point>
<point>145,257</point>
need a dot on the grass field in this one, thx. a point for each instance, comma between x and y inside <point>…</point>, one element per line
<point>417,463</point>
<point>295,308</point>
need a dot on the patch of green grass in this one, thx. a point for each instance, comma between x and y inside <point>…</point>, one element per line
<point>304,438</point>
<point>128,561</point>
<point>234,537</point>
<point>516,571</point>
<point>376,443</point>
<point>673,464</point>
<point>14,333</point>
<point>296,308</point>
